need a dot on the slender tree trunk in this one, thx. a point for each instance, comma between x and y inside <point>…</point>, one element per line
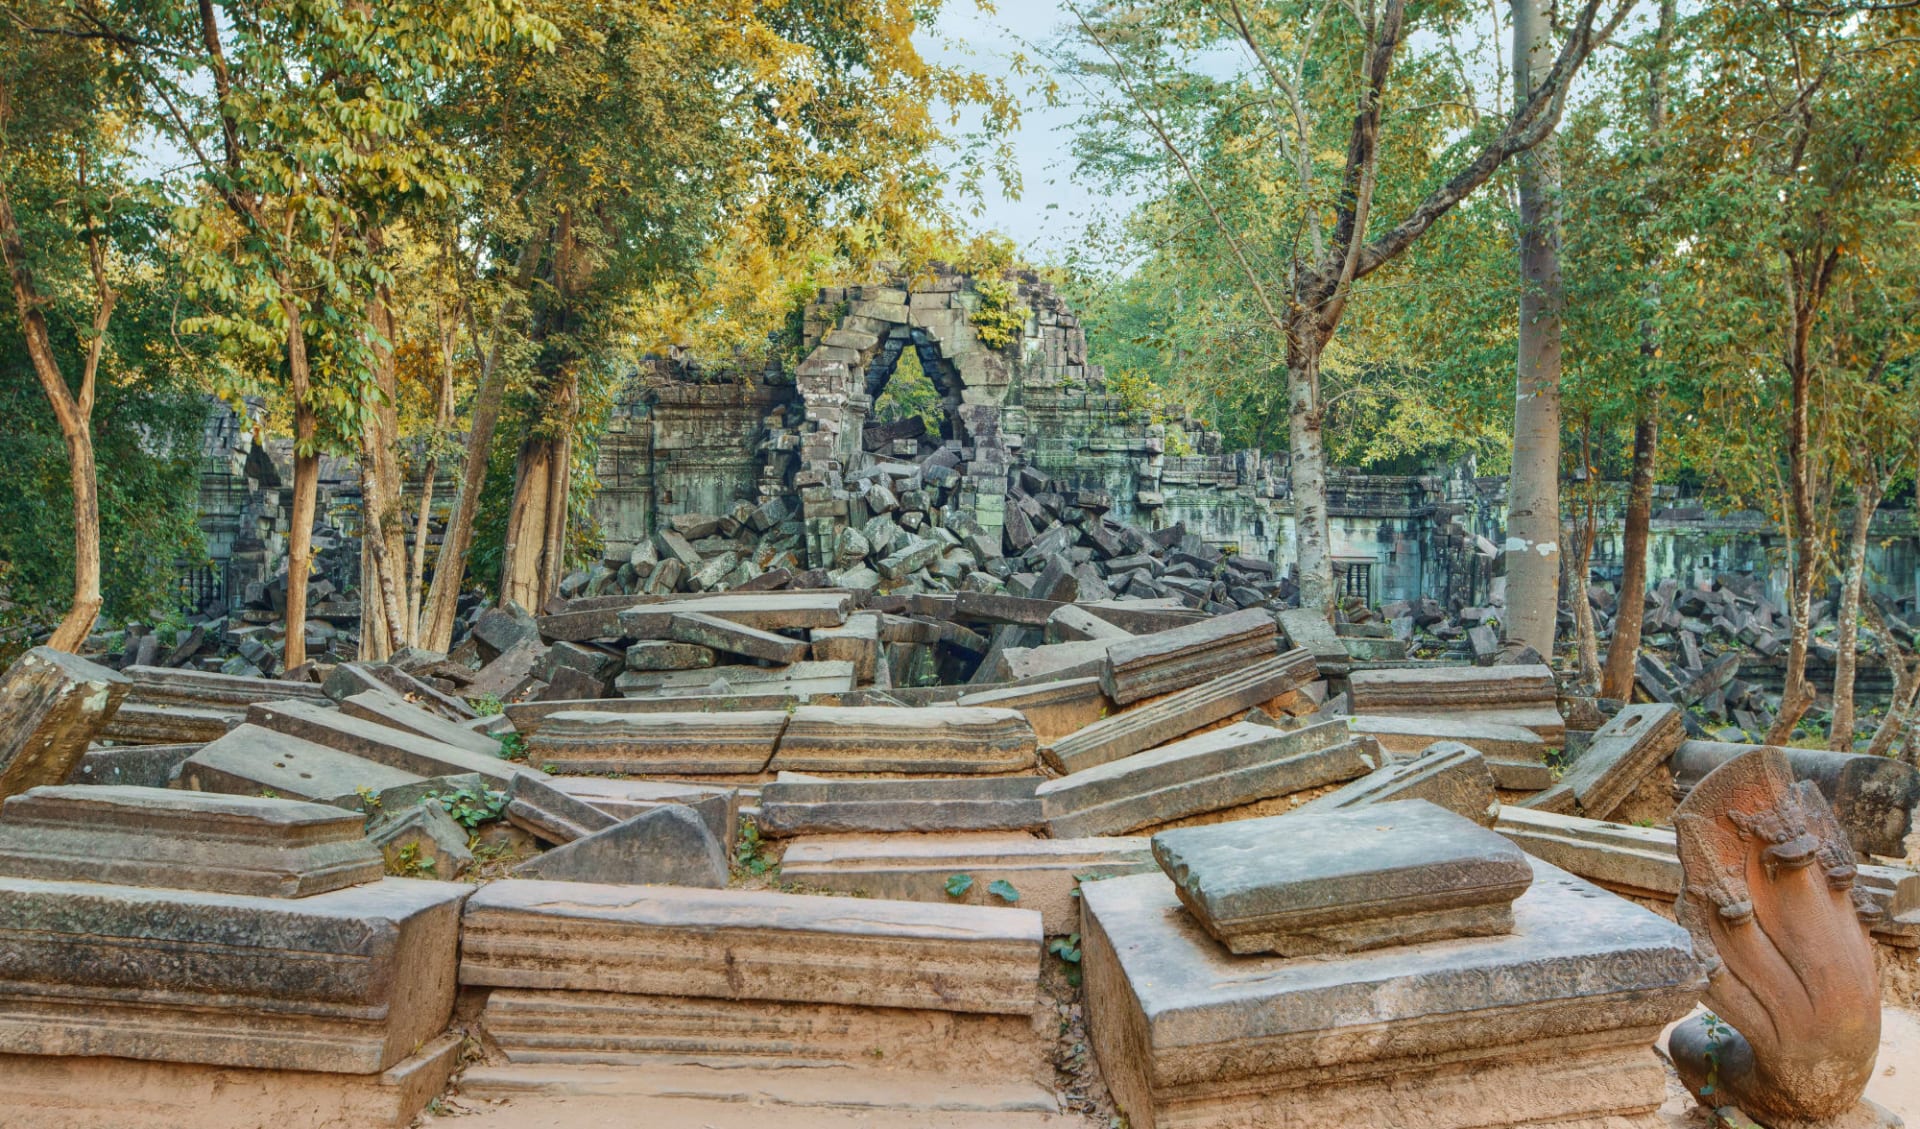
<point>383,545</point>
<point>1803,303</point>
<point>442,424</point>
<point>1905,702</point>
<point>74,628</point>
<point>306,483</point>
<point>1840,733</point>
<point>1312,539</point>
<point>1533,494</point>
<point>1630,614</point>
<point>1589,639</point>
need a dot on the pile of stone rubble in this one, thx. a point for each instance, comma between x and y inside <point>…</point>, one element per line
<point>1221,823</point>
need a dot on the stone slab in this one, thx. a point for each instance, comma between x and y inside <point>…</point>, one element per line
<point>184,840</point>
<point>1516,755</point>
<point>1448,774</point>
<point>1155,723</point>
<point>751,945</point>
<point>387,708</point>
<point>1213,771</point>
<point>143,766</point>
<point>1305,883</point>
<point>857,642</point>
<point>768,611</point>
<point>252,761</point>
<point>51,706</point>
<point>658,743</point>
<point>718,807</point>
<point>665,654</point>
<point>796,805</point>
<point>382,744</point>
<point>1054,709</point>
<point>669,845</point>
<point>143,723</point>
<point>1145,666</point>
<point>801,679</point>
<point>1190,1035</point>
<point>351,981</point>
<point>1631,744</point>
<point>61,1092</point>
<point>931,740</point>
<point>1044,873</point>
<point>539,807</point>
<point>734,638</point>
<point>205,689</point>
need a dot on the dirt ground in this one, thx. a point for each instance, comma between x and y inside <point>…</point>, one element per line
<point>1896,1085</point>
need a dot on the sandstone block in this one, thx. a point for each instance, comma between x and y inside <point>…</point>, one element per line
<point>1054,709</point>
<point>1507,695</point>
<point>929,740</point>
<point>143,766</point>
<point>799,680</point>
<point>717,806</point>
<point>768,611</point>
<point>1516,756</point>
<point>421,841</point>
<point>1447,774</point>
<point>184,840</point>
<point>794,805</point>
<point>382,744</point>
<point>1146,666</point>
<point>539,807</point>
<point>142,723</point>
<point>734,638</point>
<point>51,705</point>
<point>384,707</point>
<point>1343,881</point>
<point>669,845</point>
<point>1631,744</point>
<point>749,945</point>
<point>652,743</point>
<point>664,654</point>
<point>252,761</point>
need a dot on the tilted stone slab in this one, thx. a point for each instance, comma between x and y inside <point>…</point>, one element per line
<point>768,611</point>
<point>1873,797</point>
<point>1041,873</point>
<point>800,680</point>
<point>1213,771</point>
<point>1305,883</point>
<point>51,705</point>
<point>202,689</point>
<point>396,748</point>
<point>1525,696</point>
<point>252,761</point>
<point>718,807</point>
<point>669,845</point>
<point>142,723</point>
<point>1056,661</point>
<point>796,805</point>
<point>1551,1023</point>
<point>144,766</point>
<point>1156,723</point>
<point>751,945</point>
<point>184,841</point>
<point>653,743</point>
<point>1145,666</point>
<point>384,707</point>
<point>1308,628</point>
<point>1631,744</point>
<point>536,806</point>
<point>1517,756</point>
<point>349,679</point>
<point>664,654</point>
<point>734,638</point>
<point>350,981</point>
<point>857,642</point>
<point>930,740</point>
<point>1054,709</point>
<point>1448,774</point>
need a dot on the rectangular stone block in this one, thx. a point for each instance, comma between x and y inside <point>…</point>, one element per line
<point>856,642</point>
<point>664,654</point>
<point>51,705</point>
<point>384,707</point>
<point>1155,723</point>
<point>931,740</point>
<point>1448,775</point>
<point>185,841</point>
<point>654,743</point>
<point>797,805</point>
<point>204,689</point>
<point>800,680</point>
<point>144,766</point>
<point>1054,709</point>
<point>1631,744</point>
<point>251,761</point>
<point>768,611</point>
<point>1551,1023</point>
<point>1517,756</point>
<point>1507,695</point>
<point>750,945</point>
<point>1145,666</point>
<point>734,638</point>
<point>369,740</point>
<point>141,723</point>
<point>718,807</point>
<point>1223,768</point>
<point>1041,873</point>
<point>543,810</point>
<point>1344,881</point>
<point>351,981</point>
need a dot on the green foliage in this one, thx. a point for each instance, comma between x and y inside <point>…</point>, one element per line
<point>513,747</point>
<point>1004,890</point>
<point>910,392</point>
<point>1068,950</point>
<point>749,852</point>
<point>470,807</point>
<point>1000,318</point>
<point>407,862</point>
<point>958,885</point>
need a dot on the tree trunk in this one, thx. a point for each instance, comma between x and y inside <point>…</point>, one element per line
<point>535,549</point>
<point>1533,494</point>
<point>1312,540</point>
<point>1623,651</point>
<point>1582,573</point>
<point>1840,732</point>
<point>74,628</point>
<point>1803,304</point>
<point>383,544</point>
<point>306,484</point>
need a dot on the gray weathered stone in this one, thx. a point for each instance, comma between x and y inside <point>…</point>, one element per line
<point>1448,775</point>
<point>676,742</point>
<point>142,766</point>
<point>390,709</point>
<point>667,846</point>
<point>51,705</point>
<point>1631,744</point>
<point>734,638</point>
<point>252,761</point>
<point>717,806</point>
<point>421,840</point>
<point>1516,756</point>
<point>1146,666</point>
<point>1054,709</point>
<point>183,840</point>
<point>768,611</point>
<point>950,740</point>
<point>664,654</point>
<point>796,805</point>
<point>396,748</point>
<point>1507,695</point>
<point>1397,873</point>
<point>539,807</point>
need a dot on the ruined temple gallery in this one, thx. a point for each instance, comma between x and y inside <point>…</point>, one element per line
<point>980,774</point>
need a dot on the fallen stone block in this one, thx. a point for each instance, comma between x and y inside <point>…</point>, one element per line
<point>1447,774</point>
<point>538,807</point>
<point>1071,623</point>
<point>1156,723</point>
<point>667,846</point>
<point>664,654</point>
<point>184,841</point>
<point>1873,797</point>
<point>141,723</point>
<point>200,689</point>
<point>65,1092</point>
<point>717,807</point>
<point>1516,756</point>
<point>1307,883</point>
<point>349,679</point>
<point>350,981</point>
<point>750,945</point>
<point>1054,661</point>
<point>1147,666</point>
<point>1054,709</point>
<point>509,676</point>
<point>734,638</point>
<point>252,761</point>
<point>1631,744</point>
<point>1553,1023</point>
<point>1039,874</point>
<point>768,611</point>
<point>857,642</point>
<point>1308,628</point>
<point>654,743</point>
<point>1507,695</point>
<point>384,707</point>
<point>51,705</point>
<point>797,805</point>
<point>800,680</point>
<point>143,766</point>
<point>949,740</point>
<point>396,748</point>
<point>1213,771</point>
<point>421,841</point>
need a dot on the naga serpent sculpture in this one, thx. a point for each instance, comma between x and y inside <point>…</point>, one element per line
<point>1768,895</point>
